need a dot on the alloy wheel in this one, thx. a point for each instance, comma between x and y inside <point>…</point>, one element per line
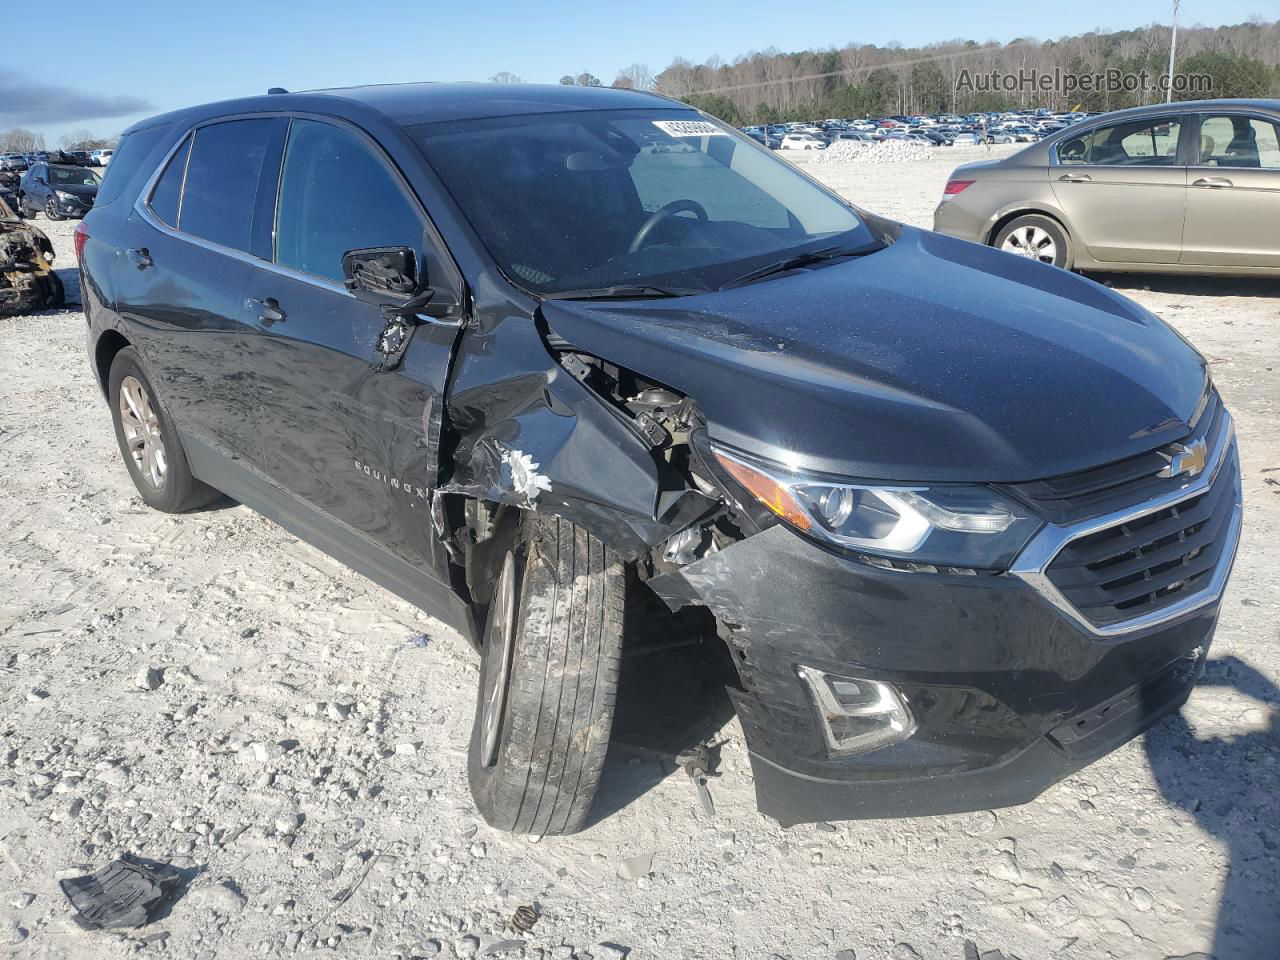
<point>142,431</point>
<point>1033,243</point>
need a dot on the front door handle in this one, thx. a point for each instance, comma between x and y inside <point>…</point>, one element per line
<point>1075,178</point>
<point>268,310</point>
<point>1211,182</point>
<point>140,257</point>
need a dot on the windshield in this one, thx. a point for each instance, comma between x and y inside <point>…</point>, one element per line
<point>598,199</point>
<point>73,176</point>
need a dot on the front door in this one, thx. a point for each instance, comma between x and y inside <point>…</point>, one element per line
<point>1233,198</point>
<point>344,434</point>
<point>1124,191</point>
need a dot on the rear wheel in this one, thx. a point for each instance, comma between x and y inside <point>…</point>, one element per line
<point>1037,238</point>
<point>148,441</point>
<point>548,679</point>
<point>24,208</point>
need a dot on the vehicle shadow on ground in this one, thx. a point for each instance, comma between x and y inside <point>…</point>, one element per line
<point>671,698</point>
<point>1231,785</point>
<point>1190,286</point>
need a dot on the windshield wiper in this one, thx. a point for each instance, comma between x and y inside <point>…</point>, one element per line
<point>803,260</point>
<point>623,292</point>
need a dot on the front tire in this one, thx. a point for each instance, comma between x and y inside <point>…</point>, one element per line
<point>549,676</point>
<point>148,441</point>
<point>51,210</point>
<point>1037,238</point>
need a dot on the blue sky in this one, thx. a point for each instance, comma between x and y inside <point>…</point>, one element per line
<point>170,53</point>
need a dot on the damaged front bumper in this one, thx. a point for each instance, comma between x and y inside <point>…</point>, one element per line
<point>1006,694</point>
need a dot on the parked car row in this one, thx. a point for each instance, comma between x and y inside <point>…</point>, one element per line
<point>17,162</point>
<point>935,130</point>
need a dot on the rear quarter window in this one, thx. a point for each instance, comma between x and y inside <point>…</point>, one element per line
<point>134,159</point>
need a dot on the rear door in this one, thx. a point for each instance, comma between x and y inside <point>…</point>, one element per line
<point>1233,199</point>
<point>1124,189</point>
<point>343,433</point>
<point>184,261</point>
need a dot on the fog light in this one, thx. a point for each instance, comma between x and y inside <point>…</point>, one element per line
<point>857,716</point>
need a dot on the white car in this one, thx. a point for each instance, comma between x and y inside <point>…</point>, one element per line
<point>101,157</point>
<point>801,141</point>
<point>966,140</point>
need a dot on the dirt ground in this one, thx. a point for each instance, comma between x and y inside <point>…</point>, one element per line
<point>206,691</point>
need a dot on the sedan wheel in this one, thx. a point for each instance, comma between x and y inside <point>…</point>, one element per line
<point>1031,242</point>
<point>1036,237</point>
<point>142,433</point>
<point>51,210</point>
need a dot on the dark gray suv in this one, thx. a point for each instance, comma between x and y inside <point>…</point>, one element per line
<point>552,362</point>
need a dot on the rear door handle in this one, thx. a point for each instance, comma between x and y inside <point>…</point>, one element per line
<point>1211,182</point>
<point>1075,178</point>
<point>268,310</point>
<point>140,257</point>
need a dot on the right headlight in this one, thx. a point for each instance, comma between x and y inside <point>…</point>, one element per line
<point>954,525</point>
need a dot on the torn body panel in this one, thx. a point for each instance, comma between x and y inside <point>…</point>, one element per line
<point>531,435</point>
<point>994,677</point>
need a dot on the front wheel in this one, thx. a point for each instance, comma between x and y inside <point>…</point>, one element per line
<point>51,210</point>
<point>548,679</point>
<point>1037,238</point>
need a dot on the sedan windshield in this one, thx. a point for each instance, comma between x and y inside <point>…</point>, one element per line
<point>663,199</point>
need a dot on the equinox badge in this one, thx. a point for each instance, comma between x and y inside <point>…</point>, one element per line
<point>1187,458</point>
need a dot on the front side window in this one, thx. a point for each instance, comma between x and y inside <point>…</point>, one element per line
<point>599,199</point>
<point>221,186</point>
<point>1151,142</point>
<point>1237,141</point>
<point>335,196</point>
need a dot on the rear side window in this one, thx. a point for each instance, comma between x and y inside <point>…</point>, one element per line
<point>335,196</point>
<point>1139,143</point>
<point>168,191</point>
<point>222,181</point>
<point>1237,141</point>
<point>128,160</point>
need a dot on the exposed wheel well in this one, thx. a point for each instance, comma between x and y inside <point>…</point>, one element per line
<point>1010,217</point>
<point>109,344</point>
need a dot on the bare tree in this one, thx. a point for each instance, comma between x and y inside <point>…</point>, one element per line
<point>637,76</point>
<point>505,76</point>
<point>21,140</point>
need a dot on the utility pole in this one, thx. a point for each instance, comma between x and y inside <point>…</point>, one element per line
<point>1173,52</point>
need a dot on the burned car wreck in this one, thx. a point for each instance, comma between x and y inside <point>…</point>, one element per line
<point>953,547</point>
<point>27,278</point>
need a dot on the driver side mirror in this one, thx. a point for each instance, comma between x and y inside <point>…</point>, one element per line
<point>388,277</point>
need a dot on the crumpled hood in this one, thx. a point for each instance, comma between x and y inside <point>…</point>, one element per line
<point>934,359</point>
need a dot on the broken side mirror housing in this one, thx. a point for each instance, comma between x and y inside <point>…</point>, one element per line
<point>388,277</point>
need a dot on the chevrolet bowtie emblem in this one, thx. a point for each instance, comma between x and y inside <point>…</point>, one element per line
<point>1186,459</point>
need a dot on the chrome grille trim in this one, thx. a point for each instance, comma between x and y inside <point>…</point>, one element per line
<point>1032,564</point>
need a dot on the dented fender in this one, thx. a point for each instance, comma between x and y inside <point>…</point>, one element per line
<point>529,435</point>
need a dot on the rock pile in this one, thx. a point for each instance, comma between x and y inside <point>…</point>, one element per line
<point>862,151</point>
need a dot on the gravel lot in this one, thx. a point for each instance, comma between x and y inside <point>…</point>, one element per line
<point>299,748</point>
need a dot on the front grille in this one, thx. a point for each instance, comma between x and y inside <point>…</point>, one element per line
<point>1146,564</point>
<point>1092,493</point>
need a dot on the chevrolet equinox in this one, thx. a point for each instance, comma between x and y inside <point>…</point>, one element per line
<point>524,355</point>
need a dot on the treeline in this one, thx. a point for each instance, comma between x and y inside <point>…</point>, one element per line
<point>863,79</point>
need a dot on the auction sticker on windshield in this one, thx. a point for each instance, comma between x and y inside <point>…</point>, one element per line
<point>689,128</point>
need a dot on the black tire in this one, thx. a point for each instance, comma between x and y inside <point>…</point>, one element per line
<point>179,491</point>
<point>1064,255</point>
<point>542,771</point>
<point>24,208</point>
<point>56,293</point>
<point>51,210</point>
